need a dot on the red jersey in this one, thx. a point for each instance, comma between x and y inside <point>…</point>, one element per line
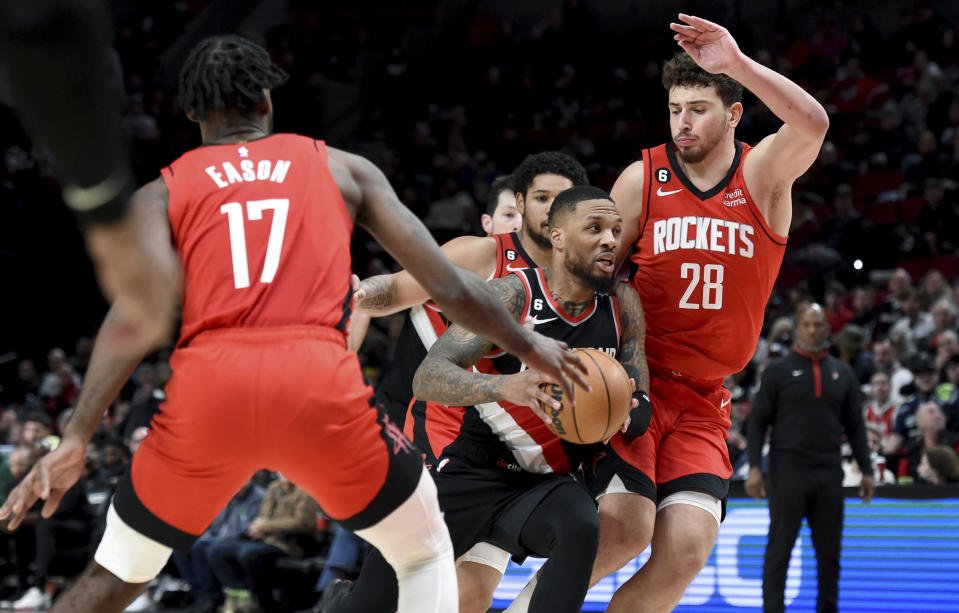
<point>264,236</point>
<point>881,416</point>
<point>707,262</point>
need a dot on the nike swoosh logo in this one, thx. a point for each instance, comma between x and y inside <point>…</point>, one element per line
<point>725,403</point>
<point>660,192</point>
<point>537,321</point>
<point>514,269</point>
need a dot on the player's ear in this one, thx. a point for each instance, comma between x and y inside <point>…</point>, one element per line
<point>521,203</point>
<point>487,222</point>
<point>191,115</point>
<point>556,237</point>
<point>735,111</point>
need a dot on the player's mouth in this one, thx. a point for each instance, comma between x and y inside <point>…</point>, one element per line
<point>606,262</point>
<point>685,141</point>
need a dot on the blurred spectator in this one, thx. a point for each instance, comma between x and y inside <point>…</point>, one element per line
<point>9,427</point>
<point>943,314</point>
<point>26,387</point>
<point>885,360</point>
<point>63,536</point>
<point>938,221</point>
<point>837,313</point>
<point>851,343</point>
<point>38,433</point>
<point>852,476</point>
<point>906,426</point>
<point>194,565</point>
<point>890,309</point>
<point>14,467</point>
<point>931,427</point>
<point>287,514</point>
<point>934,288</point>
<point>52,384</point>
<point>775,344</point>
<point>881,410</point>
<point>939,465</point>
<point>864,310</point>
<point>915,324</point>
<point>64,394</point>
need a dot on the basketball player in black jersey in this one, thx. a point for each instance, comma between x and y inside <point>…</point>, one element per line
<point>502,480</point>
<point>535,183</point>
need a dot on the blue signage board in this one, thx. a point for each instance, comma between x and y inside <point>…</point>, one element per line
<point>897,555</point>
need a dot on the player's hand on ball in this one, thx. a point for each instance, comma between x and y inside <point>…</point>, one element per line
<point>555,359</point>
<point>523,388</point>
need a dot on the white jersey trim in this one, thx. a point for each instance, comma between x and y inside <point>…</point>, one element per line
<point>528,453</point>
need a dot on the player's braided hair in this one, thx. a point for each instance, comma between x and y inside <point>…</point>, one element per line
<point>682,71</point>
<point>547,162</point>
<point>227,72</point>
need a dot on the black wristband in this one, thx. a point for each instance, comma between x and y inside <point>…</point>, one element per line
<point>639,417</point>
<point>103,203</point>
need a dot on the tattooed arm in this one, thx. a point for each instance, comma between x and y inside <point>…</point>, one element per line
<point>445,376</point>
<point>632,355</point>
<point>387,294</point>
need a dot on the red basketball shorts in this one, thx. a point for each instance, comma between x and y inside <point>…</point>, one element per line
<point>290,400</point>
<point>685,445</point>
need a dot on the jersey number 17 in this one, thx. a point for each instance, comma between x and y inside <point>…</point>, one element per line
<point>254,212</point>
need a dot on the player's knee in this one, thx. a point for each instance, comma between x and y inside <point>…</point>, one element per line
<point>626,526</point>
<point>414,532</point>
<point>476,587</point>
<point>687,552</point>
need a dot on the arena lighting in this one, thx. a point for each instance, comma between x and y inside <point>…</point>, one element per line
<point>898,555</point>
<point>857,264</point>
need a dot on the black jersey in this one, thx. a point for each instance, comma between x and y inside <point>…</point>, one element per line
<point>513,435</point>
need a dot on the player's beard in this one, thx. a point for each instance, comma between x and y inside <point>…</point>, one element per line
<point>707,142</point>
<point>541,239</point>
<point>585,272</point>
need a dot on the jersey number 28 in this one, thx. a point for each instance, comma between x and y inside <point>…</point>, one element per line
<point>254,212</point>
<point>712,276</point>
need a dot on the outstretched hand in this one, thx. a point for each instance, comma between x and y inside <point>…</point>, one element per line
<point>49,480</point>
<point>710,45</point>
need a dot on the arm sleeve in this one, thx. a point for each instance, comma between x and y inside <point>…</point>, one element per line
<point>760,417</point>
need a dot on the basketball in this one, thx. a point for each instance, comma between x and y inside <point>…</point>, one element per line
<point>597,414</point>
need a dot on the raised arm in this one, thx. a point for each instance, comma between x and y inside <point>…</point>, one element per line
<point>445,375</point>
<point>464,297</point>
<point>781,157</point>
<point>632,355</point>
<point>387,294</point>
<point>627,193</point>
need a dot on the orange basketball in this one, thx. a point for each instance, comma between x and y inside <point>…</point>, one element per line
<point>597,414</point>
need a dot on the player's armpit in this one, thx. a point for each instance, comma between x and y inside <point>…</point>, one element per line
<point>627,193</point>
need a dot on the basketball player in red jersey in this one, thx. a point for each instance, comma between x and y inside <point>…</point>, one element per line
<point>262,378</point>
<point>708,215</point>
<point>535,184</point>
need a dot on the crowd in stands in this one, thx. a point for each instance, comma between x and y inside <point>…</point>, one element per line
<point>444,101</point>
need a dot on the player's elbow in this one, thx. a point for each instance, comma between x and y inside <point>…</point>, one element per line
<point>818,120</point>
<point>420,388</point>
